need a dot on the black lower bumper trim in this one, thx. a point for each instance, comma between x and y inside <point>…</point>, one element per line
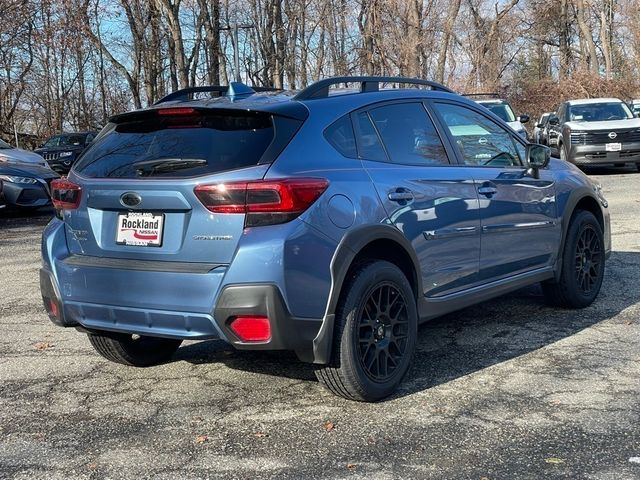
<point>51,295</point>
<point>287,332</point>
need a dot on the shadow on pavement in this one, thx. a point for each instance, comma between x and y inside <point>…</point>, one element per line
<point>466,341</point>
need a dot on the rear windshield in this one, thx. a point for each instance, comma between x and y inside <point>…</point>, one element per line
<point>179,145</point>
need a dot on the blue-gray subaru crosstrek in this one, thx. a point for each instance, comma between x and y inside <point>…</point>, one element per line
<point>329,222</point>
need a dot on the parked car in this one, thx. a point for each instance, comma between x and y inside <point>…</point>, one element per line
<point>635,107</point>
<point>540,132</point>
<point>327,222</point>
<point>595,131</point>
<point>60,151</point>
<point>503,110</point>
<point>25,185</point>
<point>17,155</point>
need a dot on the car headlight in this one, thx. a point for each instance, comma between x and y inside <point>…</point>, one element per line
<point>65,154</point>
<point>15,179</point>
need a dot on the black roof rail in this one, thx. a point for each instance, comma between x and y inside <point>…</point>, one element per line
<point>320,89</point>
<point>233,90</point>
<point>492,94</point>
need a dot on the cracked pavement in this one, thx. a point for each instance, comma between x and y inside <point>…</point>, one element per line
<point>507,389</point>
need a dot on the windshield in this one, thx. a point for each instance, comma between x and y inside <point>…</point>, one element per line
<point>4,145</point>
<point>502,110</point>
<point>65,141</point>
<point>179,146</point>
<point>599,112</point>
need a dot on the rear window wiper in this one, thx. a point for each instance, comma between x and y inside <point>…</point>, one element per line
<point>165,165</point>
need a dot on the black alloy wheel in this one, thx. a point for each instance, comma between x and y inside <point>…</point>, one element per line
<point>383,332</point>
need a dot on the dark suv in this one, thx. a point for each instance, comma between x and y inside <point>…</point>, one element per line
<point>61,151</point>
<point>595,131</point>
<point>330,222</point>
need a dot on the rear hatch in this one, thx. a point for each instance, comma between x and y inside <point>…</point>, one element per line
<point>136,196</point>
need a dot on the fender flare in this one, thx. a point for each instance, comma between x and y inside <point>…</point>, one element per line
<point>348,248</point>
<point>570,207</point>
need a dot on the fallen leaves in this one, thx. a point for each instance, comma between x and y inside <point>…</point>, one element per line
<point>43,346</point>
<point>260,434</point>
<point>329,426</point>
<point>554,460</point>
<point>351,466</point>
<point>200,439</point>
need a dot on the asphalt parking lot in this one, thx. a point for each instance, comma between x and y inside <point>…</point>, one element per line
<point>508,389</point>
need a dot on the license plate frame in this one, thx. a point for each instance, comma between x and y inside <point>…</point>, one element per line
<point>148,234</point>
<point>613,147</point>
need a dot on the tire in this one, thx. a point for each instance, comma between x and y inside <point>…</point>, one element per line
<point>134,351</point>
<point>583,259</point>
<point>365,327</point>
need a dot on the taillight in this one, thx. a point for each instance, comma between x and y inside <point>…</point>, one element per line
<point>265,202</point>
<point>251,328</point>
<point>65,194</point>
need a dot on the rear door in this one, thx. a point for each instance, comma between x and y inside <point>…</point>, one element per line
<point>520,228</point>
<point>138,181</point>
<point>432,202</point>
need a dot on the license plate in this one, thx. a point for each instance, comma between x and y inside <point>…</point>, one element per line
<point>140,229</point>
<point>614,147</point>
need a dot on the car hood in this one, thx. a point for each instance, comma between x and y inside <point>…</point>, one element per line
<point>74,148</point>
<point>27,170</point>
<point>517,126</point>
<point>606,125</point>
<point>18,155</point>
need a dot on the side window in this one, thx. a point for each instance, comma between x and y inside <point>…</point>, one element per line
<point>340,135</point>
<point>479,140</point>
<point>409,134</point>
<point>369,146</point>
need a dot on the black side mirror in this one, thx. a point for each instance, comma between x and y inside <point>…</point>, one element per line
<point>539,125</point>
<point>538,157</point>
<point>554,120</point>
<point>524,118</point>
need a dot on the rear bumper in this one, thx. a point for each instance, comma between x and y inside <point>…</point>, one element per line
<point>598,155</point>
<point>287,332</point>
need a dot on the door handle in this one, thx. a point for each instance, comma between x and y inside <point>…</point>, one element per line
<point>487,189</point>
<point>400,195</point>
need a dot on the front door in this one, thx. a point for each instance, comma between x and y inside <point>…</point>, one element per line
<point>520,228</point>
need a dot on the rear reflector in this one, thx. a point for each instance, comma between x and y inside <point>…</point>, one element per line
<point>253,328</point>
<point>65,194</point>
<point>265,202</point>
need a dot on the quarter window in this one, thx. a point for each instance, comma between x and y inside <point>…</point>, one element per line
<point>340,135</point>
<point>409,134</point>
<point>369,146</point>
<point>480,141</point>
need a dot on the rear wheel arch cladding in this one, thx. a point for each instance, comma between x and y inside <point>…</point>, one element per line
<point>346,254</point>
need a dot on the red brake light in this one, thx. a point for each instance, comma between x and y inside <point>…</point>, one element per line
<point>177,111</point>
<point>65,194</point>
<point>252,328</point>
<point>265,202</point>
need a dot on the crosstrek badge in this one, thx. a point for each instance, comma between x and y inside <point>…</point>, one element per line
<point>140,229</point>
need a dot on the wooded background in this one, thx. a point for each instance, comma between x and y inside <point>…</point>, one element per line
<point>70,64</point>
